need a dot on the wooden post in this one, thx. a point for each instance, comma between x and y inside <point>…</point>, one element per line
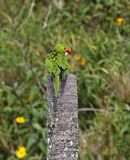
<point>62,132</point>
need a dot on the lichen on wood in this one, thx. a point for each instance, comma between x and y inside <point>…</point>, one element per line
<point>62,135</point>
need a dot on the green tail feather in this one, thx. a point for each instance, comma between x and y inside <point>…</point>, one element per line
<point>56,85</point>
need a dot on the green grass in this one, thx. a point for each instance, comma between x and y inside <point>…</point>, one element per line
<point>28,29</point>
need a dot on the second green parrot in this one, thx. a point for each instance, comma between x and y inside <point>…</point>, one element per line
<point>56,64</point>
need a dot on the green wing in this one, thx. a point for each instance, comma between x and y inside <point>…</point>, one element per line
<point>51,65</point>
<point>53,69</point>
<point>50,62</point>
<point>62,62</point>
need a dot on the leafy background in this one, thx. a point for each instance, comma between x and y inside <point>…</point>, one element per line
<point>100,60</point>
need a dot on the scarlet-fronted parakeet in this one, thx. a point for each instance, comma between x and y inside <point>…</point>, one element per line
<point>56,63</point>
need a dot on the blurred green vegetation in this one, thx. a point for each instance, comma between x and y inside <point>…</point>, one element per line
<point>100,60</point>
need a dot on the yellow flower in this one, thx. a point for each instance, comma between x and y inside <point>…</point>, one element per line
<point>77,57</point>
<point>82,62</point>
<point>1,90</point>
<point>20,120</point>
<point>21,152</point>
<point>119,21</point>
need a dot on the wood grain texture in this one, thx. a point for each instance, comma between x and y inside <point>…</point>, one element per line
<point>62,132</point>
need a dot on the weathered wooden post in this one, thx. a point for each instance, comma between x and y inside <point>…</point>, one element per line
<point>62,132</point>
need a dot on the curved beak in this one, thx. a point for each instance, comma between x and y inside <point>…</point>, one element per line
<point>68,51</point>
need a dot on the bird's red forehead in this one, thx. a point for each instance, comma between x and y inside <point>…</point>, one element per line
<point>68,50</point>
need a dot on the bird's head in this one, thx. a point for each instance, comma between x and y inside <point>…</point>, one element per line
<point>63,49</point>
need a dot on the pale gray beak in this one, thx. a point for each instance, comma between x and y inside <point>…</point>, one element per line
<point>66,54</point>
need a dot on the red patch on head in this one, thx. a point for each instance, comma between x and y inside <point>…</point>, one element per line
<point>68,50</point>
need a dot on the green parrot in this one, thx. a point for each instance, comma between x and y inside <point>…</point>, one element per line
<point>56,64</point>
